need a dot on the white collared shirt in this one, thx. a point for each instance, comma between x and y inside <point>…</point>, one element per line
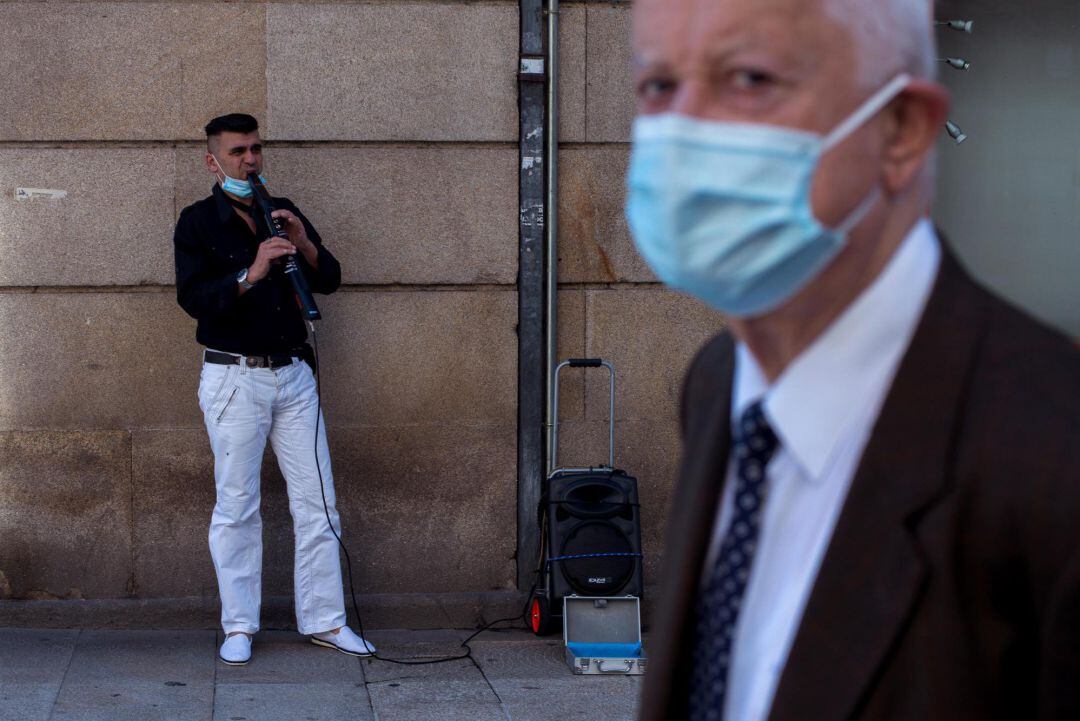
<point>822,409</point>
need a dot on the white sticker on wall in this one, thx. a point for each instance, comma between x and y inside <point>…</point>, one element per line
<point>32,193</point>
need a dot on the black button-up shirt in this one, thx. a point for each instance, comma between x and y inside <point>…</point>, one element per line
<point>213,244</point>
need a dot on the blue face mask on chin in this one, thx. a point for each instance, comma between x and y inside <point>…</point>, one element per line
<point>722,211</point>
<point>232,186</point>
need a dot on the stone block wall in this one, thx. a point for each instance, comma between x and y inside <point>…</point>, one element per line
<point>393,125</point>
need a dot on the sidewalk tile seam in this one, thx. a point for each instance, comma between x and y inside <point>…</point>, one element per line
<point>502,705</point>
<point>67,667</point>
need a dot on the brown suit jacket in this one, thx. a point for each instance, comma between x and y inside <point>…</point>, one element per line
<point>951,587</point>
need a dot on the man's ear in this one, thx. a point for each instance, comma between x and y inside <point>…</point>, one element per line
<point>916,120</point>
<point>211,164</point>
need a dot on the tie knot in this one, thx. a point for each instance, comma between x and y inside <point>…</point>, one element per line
<point>754,436</point>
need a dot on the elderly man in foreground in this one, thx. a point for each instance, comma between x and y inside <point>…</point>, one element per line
<point>877,510</point>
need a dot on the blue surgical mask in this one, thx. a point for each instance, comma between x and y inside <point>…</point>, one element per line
<point>723,212</point>
<point>239,188</point>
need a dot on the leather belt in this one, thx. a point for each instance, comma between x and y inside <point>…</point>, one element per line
<point>251,361</point>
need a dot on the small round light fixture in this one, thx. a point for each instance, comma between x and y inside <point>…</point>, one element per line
<point>955,132</point>
<point>964,26</point>
<point>958,63</point>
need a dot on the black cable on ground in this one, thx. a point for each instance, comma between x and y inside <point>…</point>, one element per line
<point>348,561</point>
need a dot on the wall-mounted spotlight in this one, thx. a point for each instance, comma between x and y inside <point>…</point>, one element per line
<point>958,63</point>
<point>955,132</point>
<point>964,26</point>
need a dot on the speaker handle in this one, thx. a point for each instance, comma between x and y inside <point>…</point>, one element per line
<point>583,363</point>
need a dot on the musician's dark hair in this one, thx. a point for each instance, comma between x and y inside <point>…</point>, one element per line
<point>233,123</point>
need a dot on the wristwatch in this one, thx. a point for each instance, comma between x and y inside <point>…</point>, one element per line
<point>241,278</point>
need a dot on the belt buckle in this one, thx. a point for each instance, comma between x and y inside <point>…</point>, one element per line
<point>253,362</point>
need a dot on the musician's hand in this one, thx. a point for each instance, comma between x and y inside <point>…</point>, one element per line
<point>295,230</point>
<point>269,250</point>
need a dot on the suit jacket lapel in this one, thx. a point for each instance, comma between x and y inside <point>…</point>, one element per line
<point>707,398</point>
<point>872,574</point>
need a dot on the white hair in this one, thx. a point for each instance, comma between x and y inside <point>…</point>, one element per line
<point>893,36</point>
<point>890,36</point>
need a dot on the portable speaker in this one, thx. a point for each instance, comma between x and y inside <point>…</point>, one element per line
<point>594,534</point>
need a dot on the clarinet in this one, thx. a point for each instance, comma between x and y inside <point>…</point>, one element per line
<point>292,271</point>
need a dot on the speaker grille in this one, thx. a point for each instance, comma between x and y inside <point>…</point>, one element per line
<point>596,576</point>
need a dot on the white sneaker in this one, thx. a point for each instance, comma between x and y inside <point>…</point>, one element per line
<point>345,641</point>
<point>236,651</point>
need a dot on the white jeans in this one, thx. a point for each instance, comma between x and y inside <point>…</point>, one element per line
<point>243,407</point>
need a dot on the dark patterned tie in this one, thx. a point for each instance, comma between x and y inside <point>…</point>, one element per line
<point>721,594</point>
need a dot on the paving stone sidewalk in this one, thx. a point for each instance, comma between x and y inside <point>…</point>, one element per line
<point>111,675</point>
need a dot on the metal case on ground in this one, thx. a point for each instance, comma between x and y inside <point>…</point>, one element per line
<point>603,635</point>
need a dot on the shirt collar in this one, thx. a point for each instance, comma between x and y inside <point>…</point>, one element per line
<point>842,378</point>
<point>224,208</point>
